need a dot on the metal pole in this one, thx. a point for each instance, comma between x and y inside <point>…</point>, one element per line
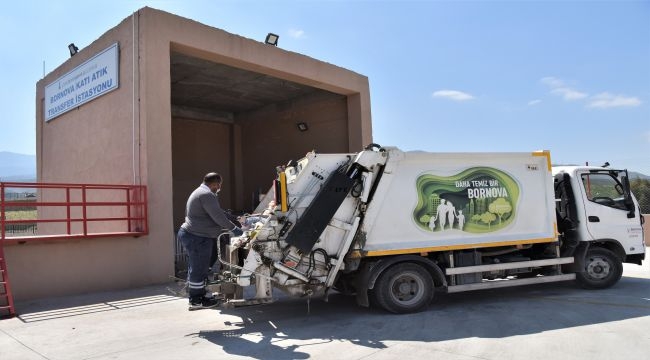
<point>83,204</point>
<point>128,208</point>
<point>67,200</point>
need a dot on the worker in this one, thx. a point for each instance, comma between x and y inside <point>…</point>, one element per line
<point>204,222</point>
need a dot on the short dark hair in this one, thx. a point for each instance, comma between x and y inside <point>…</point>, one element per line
<point>211,178</point>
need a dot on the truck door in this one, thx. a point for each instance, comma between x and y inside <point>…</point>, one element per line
<point>605,208</point>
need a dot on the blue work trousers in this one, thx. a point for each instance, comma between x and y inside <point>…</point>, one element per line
<point>199,251</point>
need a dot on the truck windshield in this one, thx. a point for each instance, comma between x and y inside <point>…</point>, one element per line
<point>604,189</point>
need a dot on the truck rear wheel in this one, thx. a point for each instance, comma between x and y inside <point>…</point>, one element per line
<point>404,288</point>
<point>602,269</point>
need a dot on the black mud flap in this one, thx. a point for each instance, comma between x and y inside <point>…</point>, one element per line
<point>579,255</point>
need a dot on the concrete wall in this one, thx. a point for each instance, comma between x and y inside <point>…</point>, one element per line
<point>82,266</point>
<point>246,150</point>
<point>97,142</point>
<point>247,54</point>
<point>272,138</point>
<point>199,147</point>
<point>125,137</point>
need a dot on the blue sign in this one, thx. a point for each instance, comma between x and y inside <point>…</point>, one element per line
<point>95,77</point>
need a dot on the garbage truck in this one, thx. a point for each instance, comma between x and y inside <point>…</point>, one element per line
<point>393,228</point>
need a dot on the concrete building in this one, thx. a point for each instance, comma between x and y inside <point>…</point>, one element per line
<point>185,99</point>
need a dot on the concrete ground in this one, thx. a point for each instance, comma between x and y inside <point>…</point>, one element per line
<point>550,321</point>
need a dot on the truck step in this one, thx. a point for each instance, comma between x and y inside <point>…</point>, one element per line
<point>494,284</point>
<point>246,302</point>
<point>506,266</point>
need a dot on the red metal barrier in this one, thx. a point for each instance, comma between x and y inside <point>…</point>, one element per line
<point>80,210</point>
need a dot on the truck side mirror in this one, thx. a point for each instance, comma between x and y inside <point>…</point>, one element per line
<point>627,196</point>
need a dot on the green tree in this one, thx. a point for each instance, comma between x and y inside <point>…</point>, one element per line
<point>487,217</point>
<point>641,190</point>
<point>500,206</point>
<point>476,218</point>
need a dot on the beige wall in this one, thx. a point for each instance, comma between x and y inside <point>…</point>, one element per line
<point>263,139</point>
<point>272,137</point>
<point>74,267</point>
<point>125,137</point>
<point>95,143</point>
<point>199,147</point>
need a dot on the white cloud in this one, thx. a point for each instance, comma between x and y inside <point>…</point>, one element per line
<point>569,94</point>
<point>603,100</point>
<point>552,82</point>
<point>453,95</point>
<point>296,33</point>
<point>534,102</point>
<point>558,87</point>
<point>606,100</point>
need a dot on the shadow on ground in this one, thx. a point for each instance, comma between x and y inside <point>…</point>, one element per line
<point>56,308</point>
<point>278,330</point>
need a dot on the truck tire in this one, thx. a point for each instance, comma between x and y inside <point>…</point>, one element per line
<point>404,288</point>
<point>602,269</point>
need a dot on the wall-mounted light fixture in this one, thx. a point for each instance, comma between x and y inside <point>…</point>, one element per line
<point>73,49</point>
<point>272,39</point>
<point>302,126</point>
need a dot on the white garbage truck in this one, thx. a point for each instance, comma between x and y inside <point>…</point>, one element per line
<point>395,227</point>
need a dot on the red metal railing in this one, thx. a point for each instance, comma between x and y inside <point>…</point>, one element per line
<point>7,308</point>
<point>74,211</point>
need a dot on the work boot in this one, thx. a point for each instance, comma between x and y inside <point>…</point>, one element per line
<point>204,303</point>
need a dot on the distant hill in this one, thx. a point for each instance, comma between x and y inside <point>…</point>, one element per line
<point>17,167</point>
<point>636,175</point>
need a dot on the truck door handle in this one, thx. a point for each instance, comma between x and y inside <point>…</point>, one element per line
<point>593,219</point>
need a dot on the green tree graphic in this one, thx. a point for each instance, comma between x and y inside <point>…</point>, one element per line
<point>500,207</point>
<point>432,188</point>
<point>488,217</point>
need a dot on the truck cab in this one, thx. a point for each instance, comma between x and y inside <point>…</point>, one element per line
<point>599,222</point>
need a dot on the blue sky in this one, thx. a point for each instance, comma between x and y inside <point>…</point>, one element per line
<point>570,77</point>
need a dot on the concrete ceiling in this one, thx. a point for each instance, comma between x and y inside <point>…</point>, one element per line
<point>208,86</point>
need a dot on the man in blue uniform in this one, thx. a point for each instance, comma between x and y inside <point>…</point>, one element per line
<point>204,222</point>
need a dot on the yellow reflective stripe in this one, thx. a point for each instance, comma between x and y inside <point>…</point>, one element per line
<point>283,192</point>
<point>361,253</point>
<point>548,157</point>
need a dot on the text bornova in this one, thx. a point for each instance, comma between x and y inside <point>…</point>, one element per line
<point>480,189</point>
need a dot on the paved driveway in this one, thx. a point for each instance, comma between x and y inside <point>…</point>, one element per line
<point>550,321</point>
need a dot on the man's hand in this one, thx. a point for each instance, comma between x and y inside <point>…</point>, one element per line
<point>236,231</point>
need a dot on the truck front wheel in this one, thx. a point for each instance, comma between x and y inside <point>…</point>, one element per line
<point>602,269</point>
<point>404,288</point>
